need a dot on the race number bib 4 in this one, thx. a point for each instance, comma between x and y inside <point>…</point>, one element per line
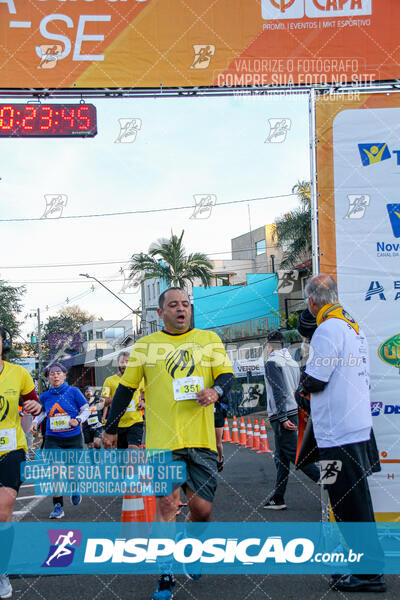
<point>186,388</point>
<point>8,439</point>
<point>131,406</point>
<point>59,423</point>
<point>93,420</point>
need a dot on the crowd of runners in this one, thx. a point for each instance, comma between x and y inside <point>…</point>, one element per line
<point>195,367</point>
<point>177,381</point>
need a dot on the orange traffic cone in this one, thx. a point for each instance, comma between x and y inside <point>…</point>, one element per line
<point>235,432</point>
<point>249,443</point>
<point>264,446</point>
<point>149,508</point>
<point>133,510</point>
<point>242,434</point>
<point>256,436</point>
<point>226,436</point>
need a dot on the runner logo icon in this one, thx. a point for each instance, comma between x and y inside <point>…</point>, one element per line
<point>62,547</point>
<point>330,470</point>
<point>373,153</point>
<point>357,205</point>
<point>376,408</point>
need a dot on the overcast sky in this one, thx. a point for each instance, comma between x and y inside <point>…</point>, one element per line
<point>184,146</point>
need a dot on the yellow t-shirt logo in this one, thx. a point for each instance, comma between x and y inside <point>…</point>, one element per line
<point>180,363</point>
<point>4,406</point>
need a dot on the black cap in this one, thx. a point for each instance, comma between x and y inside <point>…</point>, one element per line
<point>307,324</point>
<point>275,337</point>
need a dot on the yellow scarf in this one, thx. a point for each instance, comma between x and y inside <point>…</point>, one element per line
<point>336,311</point>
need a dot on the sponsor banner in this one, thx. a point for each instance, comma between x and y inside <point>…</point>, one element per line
<point>220,548</point>
<point>148,43</point>
<point>358,157</point>
<point>244,367</point>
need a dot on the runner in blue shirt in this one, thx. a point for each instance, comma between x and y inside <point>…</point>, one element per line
<point>66,409</point>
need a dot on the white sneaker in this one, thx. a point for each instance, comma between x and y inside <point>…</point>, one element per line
<point>5,587</point>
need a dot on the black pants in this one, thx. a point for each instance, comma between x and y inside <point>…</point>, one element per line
<point>64,443</point>
<point>349,495</point>
<point>285,453</point>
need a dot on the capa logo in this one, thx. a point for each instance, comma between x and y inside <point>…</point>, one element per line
<point>297,9</point>
<point>338,8</point>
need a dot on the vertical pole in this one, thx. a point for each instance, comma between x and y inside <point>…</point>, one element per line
<point>39,353</point>
<point>313,179</point>
<point>253,250</point>
<point>315,236</point>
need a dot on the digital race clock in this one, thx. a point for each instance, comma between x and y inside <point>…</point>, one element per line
<point>48,120</point>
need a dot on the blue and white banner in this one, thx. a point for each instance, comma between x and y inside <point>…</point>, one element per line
<point>220,548</point>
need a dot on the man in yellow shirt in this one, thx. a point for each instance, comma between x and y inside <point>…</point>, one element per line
<point>15,383</point>
<point>185,372</point>
<point>130,425</point>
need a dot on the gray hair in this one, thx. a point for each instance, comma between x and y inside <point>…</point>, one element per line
<point>322,289</point>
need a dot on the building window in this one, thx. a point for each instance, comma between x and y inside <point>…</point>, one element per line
<point>233,355</point>
<point>261,247</point>
<point>115,332</point>
<point>84,336</point>
<point>153,326</point>
<point>222,280</point>
<point>90,334</point>
<point>99,334</point>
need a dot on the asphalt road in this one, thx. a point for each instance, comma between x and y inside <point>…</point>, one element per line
<point>244,484</point>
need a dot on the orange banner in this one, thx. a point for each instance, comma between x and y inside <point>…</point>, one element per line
<point>148,43</point>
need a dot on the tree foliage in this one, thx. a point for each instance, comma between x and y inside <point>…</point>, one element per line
<point>68,320</point>
<point>10,308</point>
<point>293,230</point>
<point>61,332</point>
<point>168,260</point>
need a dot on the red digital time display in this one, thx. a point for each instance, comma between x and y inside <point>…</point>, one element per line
<point>48,120</point>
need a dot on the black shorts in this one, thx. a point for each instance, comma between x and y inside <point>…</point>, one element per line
<point>53,442</point>
<point>219,415</point>
<point>130,436</point>
<point>89,434</point>
<point>201,471</point>
<point>10,469</point>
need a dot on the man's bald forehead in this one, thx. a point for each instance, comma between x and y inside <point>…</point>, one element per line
<point>324,280</point>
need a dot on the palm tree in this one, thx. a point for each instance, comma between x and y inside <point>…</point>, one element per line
<point>303,191</point>
<point>168,260</point>
<point>293,230</point>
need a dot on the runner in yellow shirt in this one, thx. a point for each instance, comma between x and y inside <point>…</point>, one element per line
<point>185,372</point>
<point>130,425</point>
<point>15,383</point>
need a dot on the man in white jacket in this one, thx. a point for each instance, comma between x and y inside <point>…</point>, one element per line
<point>282,377</point>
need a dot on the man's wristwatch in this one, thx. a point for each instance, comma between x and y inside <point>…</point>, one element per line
<point>79,420</point>
<point>219,390</point>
